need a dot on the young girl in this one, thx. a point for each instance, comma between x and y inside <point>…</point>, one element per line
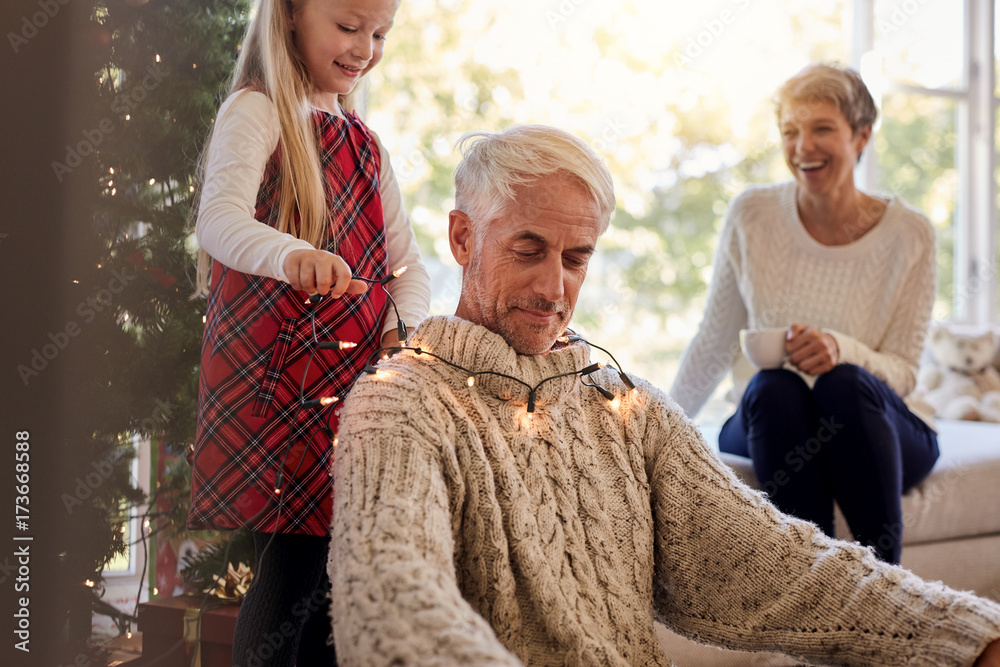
<point>298,199</point>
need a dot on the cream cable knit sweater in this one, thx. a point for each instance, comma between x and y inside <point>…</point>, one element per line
<point>466,533</point>
<point>874,295</point>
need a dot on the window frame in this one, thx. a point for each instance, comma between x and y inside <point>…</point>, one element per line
<point>975,256</point>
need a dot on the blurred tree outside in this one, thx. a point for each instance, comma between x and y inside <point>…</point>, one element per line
<point>916,154</point>
<point>676,99</point>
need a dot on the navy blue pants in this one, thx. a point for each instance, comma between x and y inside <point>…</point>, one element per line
<point>285,618</point>
<point>849,439</point>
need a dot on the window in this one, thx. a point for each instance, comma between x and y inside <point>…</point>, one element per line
<point>935,146</point>
<point>677,99</point>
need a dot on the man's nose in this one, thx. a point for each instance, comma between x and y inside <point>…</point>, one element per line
<point>548,279</point>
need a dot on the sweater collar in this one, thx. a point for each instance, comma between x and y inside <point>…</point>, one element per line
<point>476,349</point>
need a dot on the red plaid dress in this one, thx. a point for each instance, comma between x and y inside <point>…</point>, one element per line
<point>256,346</point>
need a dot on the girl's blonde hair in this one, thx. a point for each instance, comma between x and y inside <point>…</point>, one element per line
<point>270,63</point>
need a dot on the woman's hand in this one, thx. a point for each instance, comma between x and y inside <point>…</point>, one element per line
<point>810,350</point>
<point>991,656</point>
<point>320,272</point>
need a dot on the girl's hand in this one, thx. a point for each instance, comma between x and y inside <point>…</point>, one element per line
<point>811,350</point>
<point>321,272</point>
<point>391,339</point>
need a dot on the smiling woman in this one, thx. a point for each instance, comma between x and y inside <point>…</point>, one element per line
<point>850,278</point>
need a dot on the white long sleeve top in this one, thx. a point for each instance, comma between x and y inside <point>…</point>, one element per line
<point>874,295</point>
<point>246,135</point>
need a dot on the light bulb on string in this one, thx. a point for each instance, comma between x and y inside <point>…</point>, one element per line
<point>337,345</point>
<point>319,402</point>
<point>392,276</point>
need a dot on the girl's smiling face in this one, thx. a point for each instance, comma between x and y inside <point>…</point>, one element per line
<point>340,40</point>
<point>820,147</point>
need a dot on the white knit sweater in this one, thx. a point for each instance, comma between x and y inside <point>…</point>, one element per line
<point>466,533</point>
<point>873,295</point>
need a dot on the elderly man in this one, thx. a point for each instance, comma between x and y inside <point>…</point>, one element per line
<point>492,506</point>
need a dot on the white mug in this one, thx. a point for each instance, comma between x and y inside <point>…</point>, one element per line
<point>764,348</point>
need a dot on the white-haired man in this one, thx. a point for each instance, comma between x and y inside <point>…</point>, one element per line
<point>493,507</point>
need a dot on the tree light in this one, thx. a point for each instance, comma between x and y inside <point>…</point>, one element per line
<point>471,381</point>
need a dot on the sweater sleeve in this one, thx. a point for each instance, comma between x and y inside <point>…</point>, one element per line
<point>732,570</point>
<point>395,595</point>
<point>715,347</point>
<point>412,290</point>
<point>898,357</point>
<point>246,134</point>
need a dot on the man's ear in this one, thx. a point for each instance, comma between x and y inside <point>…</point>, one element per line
<point>460,237</point>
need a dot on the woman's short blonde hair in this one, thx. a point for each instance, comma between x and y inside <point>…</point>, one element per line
<point>494,164</point>
<point>830,83</point>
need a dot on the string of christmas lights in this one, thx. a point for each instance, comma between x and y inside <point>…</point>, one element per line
<point>384,353</point>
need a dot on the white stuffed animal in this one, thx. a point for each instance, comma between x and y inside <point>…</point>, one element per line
<point>962,383</point>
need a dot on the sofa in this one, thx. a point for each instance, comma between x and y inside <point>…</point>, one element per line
<point>951,529</point>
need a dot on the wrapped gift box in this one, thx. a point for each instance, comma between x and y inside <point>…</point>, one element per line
<point>188,631</point>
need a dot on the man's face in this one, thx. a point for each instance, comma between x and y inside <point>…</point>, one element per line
<point>522,272</point>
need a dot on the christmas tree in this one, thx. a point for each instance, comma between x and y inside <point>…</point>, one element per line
<point>155,72</point>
